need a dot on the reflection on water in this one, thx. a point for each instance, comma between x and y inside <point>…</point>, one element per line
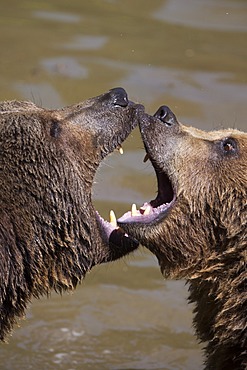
<point>56,16</point>
<point>220,15</point>
<point>64,66</point>
<point>191,57</point>
<point>87,42</point>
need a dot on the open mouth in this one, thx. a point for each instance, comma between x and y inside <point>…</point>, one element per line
<point>156,208</point>
<point>110,230</point>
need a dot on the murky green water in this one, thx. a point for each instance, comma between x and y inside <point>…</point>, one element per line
<point>189,55</point>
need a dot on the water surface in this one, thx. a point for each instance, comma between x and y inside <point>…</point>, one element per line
<point>191,57</point>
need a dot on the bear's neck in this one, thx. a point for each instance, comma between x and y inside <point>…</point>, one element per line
<point>219,294</point>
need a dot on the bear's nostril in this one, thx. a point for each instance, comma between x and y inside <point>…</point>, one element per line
<point>165,114</point>
<point>119,97</point>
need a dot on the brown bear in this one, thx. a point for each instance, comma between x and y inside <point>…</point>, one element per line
<point>196,226</point>
<point>50,232</point>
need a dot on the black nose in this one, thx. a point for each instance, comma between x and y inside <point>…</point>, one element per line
<point>118,96</point>
<point>165,114</point>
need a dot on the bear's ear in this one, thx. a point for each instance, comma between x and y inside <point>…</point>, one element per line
<point>55,128</point>
<point>228,147</point>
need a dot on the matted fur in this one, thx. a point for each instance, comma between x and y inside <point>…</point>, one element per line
<point>202,235</point>
<point>50,233</point>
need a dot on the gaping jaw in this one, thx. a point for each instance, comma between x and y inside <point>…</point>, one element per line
<point>115,236</point>
<point>155,133</point>
<point>157,208</point>
<point>112,140</point>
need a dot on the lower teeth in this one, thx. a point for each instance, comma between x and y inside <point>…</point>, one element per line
<point>134,210</point>
<point>113,219</point>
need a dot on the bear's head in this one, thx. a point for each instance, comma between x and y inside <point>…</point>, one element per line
<point>199,215</point>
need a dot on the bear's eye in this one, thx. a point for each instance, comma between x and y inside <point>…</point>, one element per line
<point>229,146</point>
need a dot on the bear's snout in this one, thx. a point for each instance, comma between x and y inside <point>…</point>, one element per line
<point>165,114</point>
<point>118,96</point>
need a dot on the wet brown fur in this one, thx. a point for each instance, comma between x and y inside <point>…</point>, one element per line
<point>49,233</point>
<point>202,237</point>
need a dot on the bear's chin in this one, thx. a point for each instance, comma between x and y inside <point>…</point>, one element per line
<point>111,233</point>
<point>114,235</point>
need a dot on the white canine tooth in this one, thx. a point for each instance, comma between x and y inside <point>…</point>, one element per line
<point>113,219</point>
<point>147,210</point>
<point>121,150</point>
<point>134,210</point>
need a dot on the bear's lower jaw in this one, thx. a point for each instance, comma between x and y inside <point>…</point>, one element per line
<point>146,214</point>
<point>114,235</point>
<point>156,209</point>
